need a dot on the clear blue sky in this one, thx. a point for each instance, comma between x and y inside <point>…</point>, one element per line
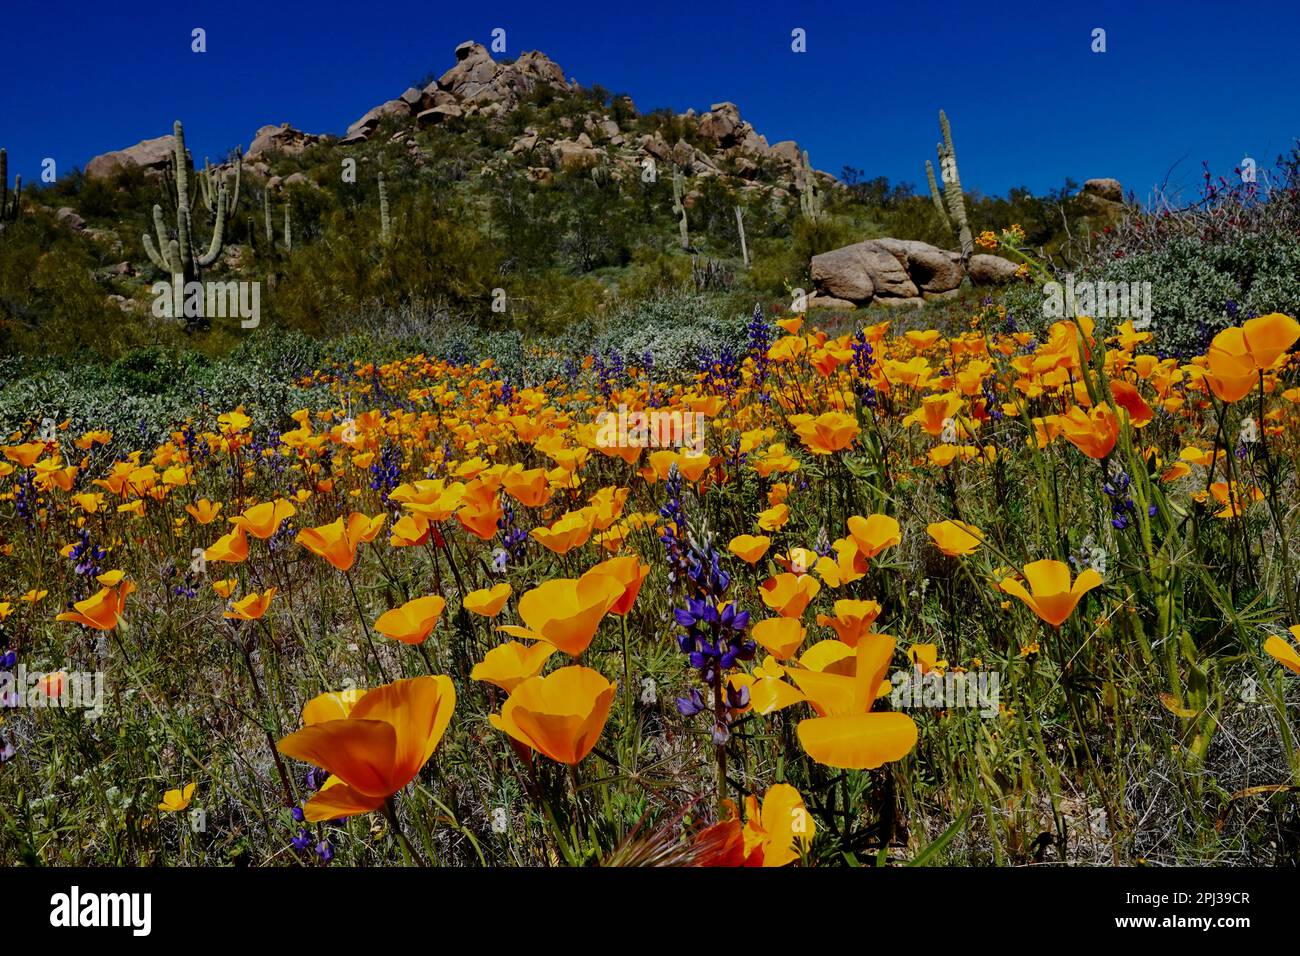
<point>1030,103</point>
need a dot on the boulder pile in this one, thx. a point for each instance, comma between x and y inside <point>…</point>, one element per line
<point>898,272</point>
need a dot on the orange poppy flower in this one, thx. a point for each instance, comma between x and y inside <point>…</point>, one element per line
<point>571,531</point>
<point>509,665</point>
<point>264,520</point>
<point>955,538</point>
<point>777,832</point>
<point>934,412</point>
<point>480,516</point>
<point>852,619</point>
<point>530,488</point>
<point>874,533</point>
<point>1230,368</point>
<point>251,607</point>
<point>1051,595</point>
<point>926,658</point>
<point>24,455</point>
<point>204,511</point>
<point>560,715</point>
<point>1267,337</point>
<point>1234,497</point>
<point>629,572</point>
<point>487,602</point>
<point>1284,653</point>
<point>828,432</point>
<point>103,612</point>
<point>847,566</point>
<point>413,621</point>
<point>692,464</point>
<point>174,801</point>
<point>1130,399</point>
<point>749,548</point>
<point>408,531</point>
<point>338,541</point>
<point>565,612</point>
<point>790,594</point>
<point>232,548</point>
<point>774,518</point>
<point>1093,432</point>
<point>376,748</point>
<point>846,734</point>
<point>781,636</point>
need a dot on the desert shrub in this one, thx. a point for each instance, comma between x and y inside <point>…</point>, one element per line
<point>1234,254</point>
<point>674,329</point>
<point>148,392</point>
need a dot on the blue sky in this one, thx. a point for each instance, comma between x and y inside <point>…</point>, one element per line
<point>1029,102</point>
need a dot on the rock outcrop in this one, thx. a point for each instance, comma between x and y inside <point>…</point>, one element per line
<point>991,270</point>
<point>280,139</point>
<point>478,85</point>
<point>1108,189</point>
<point>898,272</point>
<point>152,154</point>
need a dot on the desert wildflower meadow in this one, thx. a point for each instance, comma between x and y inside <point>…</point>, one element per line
<point>982,596</point>
<point>428,480</point>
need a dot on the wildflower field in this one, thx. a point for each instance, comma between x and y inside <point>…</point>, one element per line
<point>981,596</point>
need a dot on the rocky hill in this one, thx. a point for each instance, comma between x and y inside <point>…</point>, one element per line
<point>503,192</point>
<point>717,143</point>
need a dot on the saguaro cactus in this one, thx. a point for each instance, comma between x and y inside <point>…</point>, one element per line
<point>210,186</point>
<point>269,226</point>
<point>952,191</point>
<point>679,209</point>
<point>810,202</point>
<point>935,197</point>
<point>385,224</point>
<point>740,227</point>
<point>266,216</point>
<point>9,205</point>
<point>176,254</point>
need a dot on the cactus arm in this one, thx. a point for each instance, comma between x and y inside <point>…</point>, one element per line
<point>205,183</point>
<point>679,208</point>
<point>154,256</point>
<point>233,201</point>
<point>266,216</point>
<point>740,227</point>
<point>9,206</point>
<point>385,231</point>
<point>934,195</point>
<point>288,228</point>
<point>160,227</point>
<point>809,203</point>
<point>159,254</point>
<point>953,191</point>
<point>181,166</point>
<point>183,241</point>
<point>218,231</point>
